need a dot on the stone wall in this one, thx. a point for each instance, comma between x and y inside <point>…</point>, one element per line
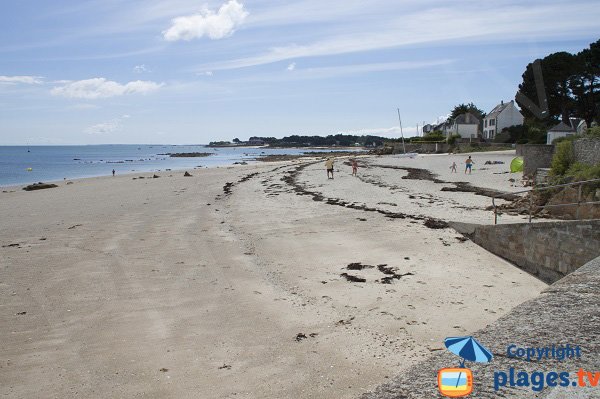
<point>587,150</point>
<point>550,250</point>
<point>535,156</point>
<point>423,148</point>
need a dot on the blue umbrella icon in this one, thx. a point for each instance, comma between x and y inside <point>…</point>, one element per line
<point>469,349</point>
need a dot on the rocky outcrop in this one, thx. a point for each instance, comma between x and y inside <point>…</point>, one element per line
<point>39,186</point>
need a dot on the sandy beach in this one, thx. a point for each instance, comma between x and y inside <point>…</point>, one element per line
<point>235,282</point>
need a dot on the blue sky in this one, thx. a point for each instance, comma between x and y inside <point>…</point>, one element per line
<point>181,71</point>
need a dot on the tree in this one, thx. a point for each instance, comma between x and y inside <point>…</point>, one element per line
<point>585,85</point>
<point>236,140</point>
<point>464,108</point>
<point>572,85</point>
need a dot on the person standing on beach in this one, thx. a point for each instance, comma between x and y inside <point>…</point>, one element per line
<point>113,173</point>
<point>329,167</point>
<point>453,167</point>
<point>354,167</point>
<point>468,165</point>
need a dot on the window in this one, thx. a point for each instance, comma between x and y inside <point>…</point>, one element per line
<point>492,122</point>
<point>485,123</point>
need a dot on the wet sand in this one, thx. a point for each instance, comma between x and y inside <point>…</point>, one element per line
<point>258,281</point>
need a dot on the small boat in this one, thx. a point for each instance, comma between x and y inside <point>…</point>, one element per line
<point>405,154</point>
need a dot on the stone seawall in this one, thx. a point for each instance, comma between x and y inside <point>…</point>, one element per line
<point>535,156</point>
<point>587,150</point>
<point>567,312</point>
<point>549,250</point>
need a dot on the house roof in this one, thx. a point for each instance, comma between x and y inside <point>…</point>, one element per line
<point>466,119</point>
<point>562,127</point>
<point>497,110</point>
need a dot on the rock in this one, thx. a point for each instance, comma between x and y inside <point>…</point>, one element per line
<point>155,176</point>
<point>189,154</point>
<point>187,174</point>
<point>39,186</point>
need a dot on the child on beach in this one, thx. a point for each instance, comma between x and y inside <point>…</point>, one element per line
<point>453,167</point>
<point>468,165</point>
<point>354,167</point>
<point>329,167</point>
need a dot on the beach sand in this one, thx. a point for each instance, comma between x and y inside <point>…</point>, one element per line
<point>192,287</point>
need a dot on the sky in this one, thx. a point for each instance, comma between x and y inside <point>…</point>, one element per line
<point>190,72</point>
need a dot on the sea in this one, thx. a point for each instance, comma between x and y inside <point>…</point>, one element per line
<point>31,164</point>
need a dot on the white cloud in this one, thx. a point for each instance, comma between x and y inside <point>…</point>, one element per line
<point>108,126</point>
<point>205,73</point>
<point>105,127</point>
<point>101,88</point>
<point>414,27</point>
<point>344,70</point>
<point>30,80</point>
<point>326,72</point>
<point>140,69</point>
<point>207,23</point>
<point>292,66</point>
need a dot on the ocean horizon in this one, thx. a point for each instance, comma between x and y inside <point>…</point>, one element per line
<point>47,163</point>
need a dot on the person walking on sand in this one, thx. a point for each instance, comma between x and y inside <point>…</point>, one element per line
<point>354,167</point>
<point>468,165</point>
<point>113,173</point>
<point>453,167</point>
<point>329,167</point>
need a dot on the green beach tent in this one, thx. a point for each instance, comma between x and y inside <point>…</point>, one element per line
<point>516,165</point>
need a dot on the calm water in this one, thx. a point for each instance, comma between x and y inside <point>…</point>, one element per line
<point>51,163</point>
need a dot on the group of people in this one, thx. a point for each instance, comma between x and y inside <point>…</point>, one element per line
<point>468,165</point>
<point>329,167</point>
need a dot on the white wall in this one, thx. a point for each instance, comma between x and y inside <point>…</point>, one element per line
<point>465,131</point>
<point>510,116</point>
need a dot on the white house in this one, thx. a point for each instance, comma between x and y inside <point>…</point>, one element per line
<point>466,125</point>
<point>564,130</point>
<point>502,116</point>
<point>428,128</point>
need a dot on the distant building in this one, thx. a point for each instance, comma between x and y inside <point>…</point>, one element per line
<point>428,128</point>
<point>502,116</point>
<point>443,127</point>
<point>560,130</point>
<point>576,126</point>
<point>256,141</point>
<point>465,125</point>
